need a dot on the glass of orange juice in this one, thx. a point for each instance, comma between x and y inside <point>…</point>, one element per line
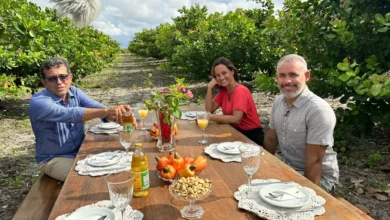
<point>143,112</point>
<point>202,120</point>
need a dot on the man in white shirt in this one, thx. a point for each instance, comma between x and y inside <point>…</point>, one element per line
<point>302,125</point>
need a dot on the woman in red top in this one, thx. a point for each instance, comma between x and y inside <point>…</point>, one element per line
<point>238,107</point>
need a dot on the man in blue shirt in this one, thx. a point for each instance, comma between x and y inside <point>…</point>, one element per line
<point>57,116</point>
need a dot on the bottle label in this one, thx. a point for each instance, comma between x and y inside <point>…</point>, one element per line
<point>141,180</point>
<point>127,128</point>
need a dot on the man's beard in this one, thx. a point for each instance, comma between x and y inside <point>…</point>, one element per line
<point>292,94</point>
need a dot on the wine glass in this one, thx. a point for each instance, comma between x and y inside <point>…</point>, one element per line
<point>120,188</point>
<point>202,120</point>
<point>126,137</point>
<point>143,112</point>
<point>250,157</point>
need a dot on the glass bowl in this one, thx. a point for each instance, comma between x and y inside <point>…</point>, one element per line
<point>191,211</point>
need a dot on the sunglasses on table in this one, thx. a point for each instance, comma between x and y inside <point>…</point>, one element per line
<point>53,79</point>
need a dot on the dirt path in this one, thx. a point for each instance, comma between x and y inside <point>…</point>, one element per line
<point>125,83</point>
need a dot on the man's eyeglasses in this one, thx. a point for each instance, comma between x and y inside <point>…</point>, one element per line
<point>62,77</point>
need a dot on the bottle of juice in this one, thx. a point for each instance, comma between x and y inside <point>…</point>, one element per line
<point>128,122</point>
<point>139,165</point>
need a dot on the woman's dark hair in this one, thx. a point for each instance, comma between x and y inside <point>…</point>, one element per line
<point>228,64</point>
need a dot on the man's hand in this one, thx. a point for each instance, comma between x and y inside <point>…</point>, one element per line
<point>116,113</point>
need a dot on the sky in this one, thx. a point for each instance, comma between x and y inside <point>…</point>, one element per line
<point>121,19</point>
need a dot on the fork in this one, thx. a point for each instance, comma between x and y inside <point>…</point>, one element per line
<point>103,217</point>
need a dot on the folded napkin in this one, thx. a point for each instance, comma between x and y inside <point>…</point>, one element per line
<point>84,168</point>
<point>191,115</point>
<point>97,130</point>
<point>287,194</point>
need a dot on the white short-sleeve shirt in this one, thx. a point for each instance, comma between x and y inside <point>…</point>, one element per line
<point>309,120</point>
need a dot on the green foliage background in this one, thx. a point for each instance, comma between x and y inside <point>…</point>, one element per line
<point>30,35</point>
<point>346,44</point>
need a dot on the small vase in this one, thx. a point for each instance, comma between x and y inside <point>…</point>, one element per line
<point>166,137</point>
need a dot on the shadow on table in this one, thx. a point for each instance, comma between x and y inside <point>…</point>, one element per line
<point>149,212</point>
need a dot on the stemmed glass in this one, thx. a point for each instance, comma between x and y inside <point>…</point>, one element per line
<point>250,157</point>
<point>202,120</point>
<point>143,112</point>
<point>120,188</point>
<point>126,139</point>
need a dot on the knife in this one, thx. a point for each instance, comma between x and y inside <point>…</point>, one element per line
<point>269,183</point>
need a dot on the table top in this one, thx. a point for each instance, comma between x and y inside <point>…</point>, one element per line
<point>79,190</point>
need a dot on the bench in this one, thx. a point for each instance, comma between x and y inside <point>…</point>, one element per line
<point>40,199</point>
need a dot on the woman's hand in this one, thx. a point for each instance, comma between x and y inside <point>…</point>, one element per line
<point>213,83</point>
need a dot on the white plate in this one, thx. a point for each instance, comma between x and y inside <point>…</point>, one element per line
<point>104,159</point>
<point>92,213</point>
<point>292,203</point>
<point>109,126</point>
<point>229,147</point>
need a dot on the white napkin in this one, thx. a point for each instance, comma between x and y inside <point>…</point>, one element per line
<point>191,115</point>
<point>84,168</point>
<point>288,194</point>
<point>95,129</point>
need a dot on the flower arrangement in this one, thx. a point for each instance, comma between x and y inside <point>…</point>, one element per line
<point>167,103</point>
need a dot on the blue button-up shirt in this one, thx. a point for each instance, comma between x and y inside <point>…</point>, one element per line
<point>57,126</point>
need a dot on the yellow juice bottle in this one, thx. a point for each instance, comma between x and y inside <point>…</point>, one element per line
<point>139,165</point>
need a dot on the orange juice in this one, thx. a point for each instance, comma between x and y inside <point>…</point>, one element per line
<point>202,123</point>
<point>143,113</point>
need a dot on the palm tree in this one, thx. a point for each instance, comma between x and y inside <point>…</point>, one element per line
<point>82,12</point>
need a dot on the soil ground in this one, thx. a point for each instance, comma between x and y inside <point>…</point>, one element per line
<point>365,187</point>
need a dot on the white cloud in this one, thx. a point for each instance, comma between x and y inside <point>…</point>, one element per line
<point>121,19</point>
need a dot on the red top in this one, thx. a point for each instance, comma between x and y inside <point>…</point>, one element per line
<point>241,99</point>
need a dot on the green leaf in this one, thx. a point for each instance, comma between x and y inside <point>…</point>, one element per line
<point>357,70</point>
<point>351,73</point>
<point>330,36</point>
<point>352,83</point>
<point>376,89</point>
<point>343,66</point>
<point>32,34</point>
<point>384,29</point>
<point>361,91</point>
<point>388,17</point>
<point>344,77</point>
<point>379,18</point>
<point>387,82</point>
<point>18,29</point>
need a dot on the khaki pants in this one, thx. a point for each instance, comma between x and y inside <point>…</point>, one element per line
<point>58,167</point>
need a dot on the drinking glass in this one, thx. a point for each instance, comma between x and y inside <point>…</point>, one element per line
<point>120,188</point>
<point>250,158</point>
<point>126,137</point>
<point>143,112</point>
<point>202,120</point>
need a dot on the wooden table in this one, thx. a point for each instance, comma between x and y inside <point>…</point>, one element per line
<point>79,190</point>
